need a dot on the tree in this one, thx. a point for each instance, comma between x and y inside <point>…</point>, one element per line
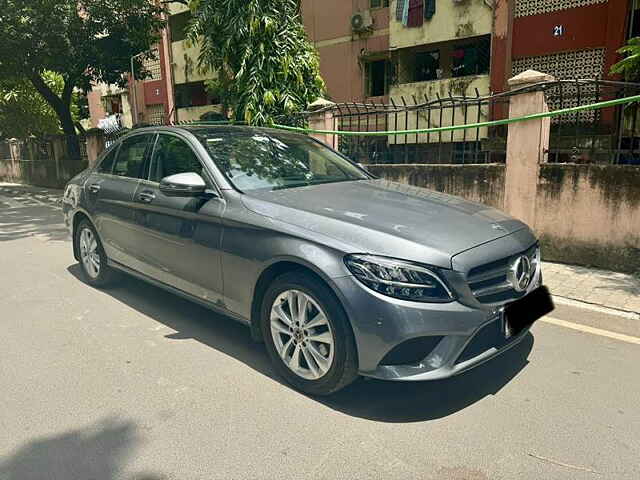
<point>265,63</point>
<point>84,41</point>
<point>23,111</point>
<point>629,66</point>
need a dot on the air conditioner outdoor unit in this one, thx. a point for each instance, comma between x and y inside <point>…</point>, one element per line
<point>361,21</point>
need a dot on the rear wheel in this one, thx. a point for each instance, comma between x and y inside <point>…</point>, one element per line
<point>307,334</point>
<point>93,260</point>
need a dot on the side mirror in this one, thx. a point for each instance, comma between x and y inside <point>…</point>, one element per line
<point>183,185</point>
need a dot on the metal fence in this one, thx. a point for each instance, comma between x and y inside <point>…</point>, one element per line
<point>609,135</point>
<point>460,146</point>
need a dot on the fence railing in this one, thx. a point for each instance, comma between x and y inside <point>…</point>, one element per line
<point>610,135</point>
<point>607,135</point>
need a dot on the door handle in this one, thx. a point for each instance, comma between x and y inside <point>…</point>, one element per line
<point>146,197</point>
<point>94,188</point>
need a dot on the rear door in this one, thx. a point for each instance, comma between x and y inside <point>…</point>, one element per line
<point>181,235</point>
<point>110,191</point>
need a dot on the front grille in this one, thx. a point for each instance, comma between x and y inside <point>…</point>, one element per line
<point>489,282</point>
<point>489,336</point>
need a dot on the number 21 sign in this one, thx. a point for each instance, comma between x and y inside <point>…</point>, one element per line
<point>558,31</point>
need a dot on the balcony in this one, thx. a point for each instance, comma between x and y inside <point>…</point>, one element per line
<point>452,20</point>
<point>460,86</point>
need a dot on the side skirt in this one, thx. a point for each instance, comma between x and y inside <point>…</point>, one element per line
<point>180,293</point>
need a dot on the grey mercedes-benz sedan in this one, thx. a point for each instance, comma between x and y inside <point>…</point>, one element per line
<point>339,273</point>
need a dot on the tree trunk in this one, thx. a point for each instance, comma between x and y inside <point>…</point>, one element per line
<point>69,129</point>
<point>62,107</point>
<point>66,121</point>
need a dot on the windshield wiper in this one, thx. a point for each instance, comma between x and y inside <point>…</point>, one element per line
<point>309,184</point>
<point>291,185</point>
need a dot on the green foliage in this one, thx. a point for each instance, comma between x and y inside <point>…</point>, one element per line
<point>84,41</point>
<point>265,63</point>
<point>629,66</point>
<point>24,112</point>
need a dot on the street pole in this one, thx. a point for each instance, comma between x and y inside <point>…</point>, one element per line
<point>134,107</point>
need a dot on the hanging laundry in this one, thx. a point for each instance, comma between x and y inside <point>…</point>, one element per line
<point>429,9</point>
<point>400,9</point>
<point>405,13</point>
<point>415,17</point>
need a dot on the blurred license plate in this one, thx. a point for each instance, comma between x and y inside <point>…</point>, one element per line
<point>522,313</point>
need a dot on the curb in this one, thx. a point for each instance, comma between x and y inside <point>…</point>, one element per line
<point>572,302</point>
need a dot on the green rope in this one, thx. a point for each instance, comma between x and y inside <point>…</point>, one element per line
<point>506,121</point>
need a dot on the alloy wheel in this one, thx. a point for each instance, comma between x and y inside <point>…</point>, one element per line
<point>302,334</point>
<point>89,253</point>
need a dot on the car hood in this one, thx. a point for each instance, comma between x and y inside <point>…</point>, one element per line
<point>387,218</point>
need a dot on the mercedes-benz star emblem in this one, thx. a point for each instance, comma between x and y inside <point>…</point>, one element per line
<point>520,273</point>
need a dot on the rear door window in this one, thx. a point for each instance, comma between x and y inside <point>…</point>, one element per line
<point>131,157</point>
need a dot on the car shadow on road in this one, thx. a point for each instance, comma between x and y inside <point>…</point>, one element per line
<point>96,451</point>
<point>368,399</point>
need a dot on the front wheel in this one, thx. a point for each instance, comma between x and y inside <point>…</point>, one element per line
<point>307,334</point>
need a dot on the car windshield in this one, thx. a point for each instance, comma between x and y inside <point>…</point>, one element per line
<point>261,161</point>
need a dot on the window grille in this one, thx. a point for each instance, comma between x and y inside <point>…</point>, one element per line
<point>582,64</point>
<point>155,114</point>
<point>152,65</point>
<point>525,8</point>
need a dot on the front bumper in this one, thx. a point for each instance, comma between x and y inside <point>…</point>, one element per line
<point>466,336</point>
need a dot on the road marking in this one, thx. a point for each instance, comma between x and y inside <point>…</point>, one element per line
<point>594,331</point>
<point>596,308</point>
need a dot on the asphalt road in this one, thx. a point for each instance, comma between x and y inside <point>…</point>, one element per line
<point>134,383</point>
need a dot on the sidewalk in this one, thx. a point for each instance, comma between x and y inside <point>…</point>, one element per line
<point>597,287</point>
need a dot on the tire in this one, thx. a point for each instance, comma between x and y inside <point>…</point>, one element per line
<point>327,358</point>
<point>102,275</point>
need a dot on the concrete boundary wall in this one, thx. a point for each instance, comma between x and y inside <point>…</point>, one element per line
<point>480,183</point>
<point>23,162</point>
<point>590,215</point>
<point>41,173</point>
<point>584,214</point>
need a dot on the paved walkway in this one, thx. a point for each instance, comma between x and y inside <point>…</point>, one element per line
<point>597,287</point>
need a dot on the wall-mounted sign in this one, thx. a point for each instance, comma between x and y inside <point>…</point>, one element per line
<point>558,30</point>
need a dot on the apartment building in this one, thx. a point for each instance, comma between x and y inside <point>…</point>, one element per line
<point>147,101</point>
<point>565,38</point>
<point>192,100</point>
<point>352,38</point>
<point>377,51</point>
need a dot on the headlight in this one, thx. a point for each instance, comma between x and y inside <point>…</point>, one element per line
<point>399,278</point>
